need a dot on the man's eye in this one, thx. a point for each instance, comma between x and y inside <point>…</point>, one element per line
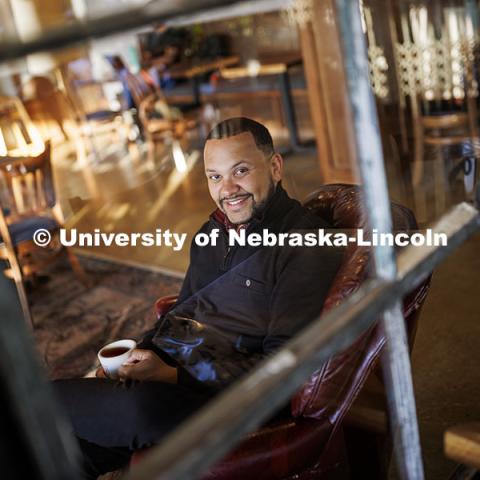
<point>214,178</point>
<point>239,172</point>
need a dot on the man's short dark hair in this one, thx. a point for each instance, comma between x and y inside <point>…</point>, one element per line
<point>237,125</point>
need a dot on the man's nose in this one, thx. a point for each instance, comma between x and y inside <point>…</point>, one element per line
<point>229,187</point>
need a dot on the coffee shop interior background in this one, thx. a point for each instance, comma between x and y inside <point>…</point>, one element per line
<point>124,119</point>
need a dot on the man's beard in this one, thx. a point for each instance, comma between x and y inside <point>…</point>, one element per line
<point>258,208</point>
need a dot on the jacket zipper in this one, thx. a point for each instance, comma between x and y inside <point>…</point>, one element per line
<point>225,258</point>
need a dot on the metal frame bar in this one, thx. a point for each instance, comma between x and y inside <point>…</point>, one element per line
<point>219,426</point>
<point>172,12</point>
<point>46,432</point>
<point>396,357</point>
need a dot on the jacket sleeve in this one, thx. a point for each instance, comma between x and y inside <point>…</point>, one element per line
<point>218,374</point>
<point>185,292</point>
<point>146,341</point>
<point>187,289</point>
<point>204,353</point>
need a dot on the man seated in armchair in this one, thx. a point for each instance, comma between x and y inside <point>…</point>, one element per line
<point>237,305</point>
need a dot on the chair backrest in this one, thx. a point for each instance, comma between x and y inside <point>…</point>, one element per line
<point>18,133</point>
<point>139,89</point>
<point>48,106</point>
<point>330,392</point>
<point>28,185</point>
<point>39,87</point>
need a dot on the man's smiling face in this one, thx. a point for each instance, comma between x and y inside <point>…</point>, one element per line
<point>241,178</point>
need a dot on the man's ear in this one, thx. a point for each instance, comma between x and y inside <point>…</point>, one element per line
<point>276,164</point>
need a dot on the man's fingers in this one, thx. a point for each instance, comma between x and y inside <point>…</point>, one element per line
<point>134,371</point>
<point>100,373</point>
<point>138,355</point>
<point>130,361</point>
<point>143,365</point>
<point>124,371</point>
<point>135,364</point>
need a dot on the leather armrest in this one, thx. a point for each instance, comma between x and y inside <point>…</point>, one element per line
<point>164,304</point>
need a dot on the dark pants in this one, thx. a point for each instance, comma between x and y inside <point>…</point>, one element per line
<point>112,420</point>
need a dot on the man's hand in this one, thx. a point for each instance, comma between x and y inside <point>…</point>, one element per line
<point>146,366</point>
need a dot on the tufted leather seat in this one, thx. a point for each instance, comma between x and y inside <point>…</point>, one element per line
<point>309,443</point>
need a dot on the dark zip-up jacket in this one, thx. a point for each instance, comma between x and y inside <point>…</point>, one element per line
<point>240,303</point>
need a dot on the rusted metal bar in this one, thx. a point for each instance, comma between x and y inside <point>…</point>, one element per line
<point>46,433</point>
<point>396,357</point>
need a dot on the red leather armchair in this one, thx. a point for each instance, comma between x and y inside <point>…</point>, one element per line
<point>310,443</point>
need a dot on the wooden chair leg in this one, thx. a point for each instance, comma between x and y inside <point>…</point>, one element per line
<point>420,199</point>
<point>151,151</point>
<point>22,295</point>
<point>78,269</point>
<point>440,185</point>
<point>418,156</point>
<point>418,176</point>
<point>17,274</point>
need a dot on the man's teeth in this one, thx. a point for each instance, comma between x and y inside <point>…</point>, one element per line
<point>236,201</point>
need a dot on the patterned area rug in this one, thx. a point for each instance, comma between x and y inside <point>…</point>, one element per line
<point>73,322</point>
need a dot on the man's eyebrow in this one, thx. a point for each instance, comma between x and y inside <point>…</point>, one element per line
<point>239,163</point>
<point>210,170</point>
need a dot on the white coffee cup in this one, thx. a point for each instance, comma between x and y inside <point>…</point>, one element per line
<point>114,354</point>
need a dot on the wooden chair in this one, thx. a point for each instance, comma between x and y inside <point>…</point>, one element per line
<point>161,123</point>
<point>47,106</point>
<point>162,131</point>
<point>91,110</point>
<point>27,204</point>
<point>441,130</point>
<point>443,110</point>
<point>18,134</point>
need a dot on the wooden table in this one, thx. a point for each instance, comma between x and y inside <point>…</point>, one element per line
<point>268,65</point>
<point>279,65</point>
<point>193,69</point>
